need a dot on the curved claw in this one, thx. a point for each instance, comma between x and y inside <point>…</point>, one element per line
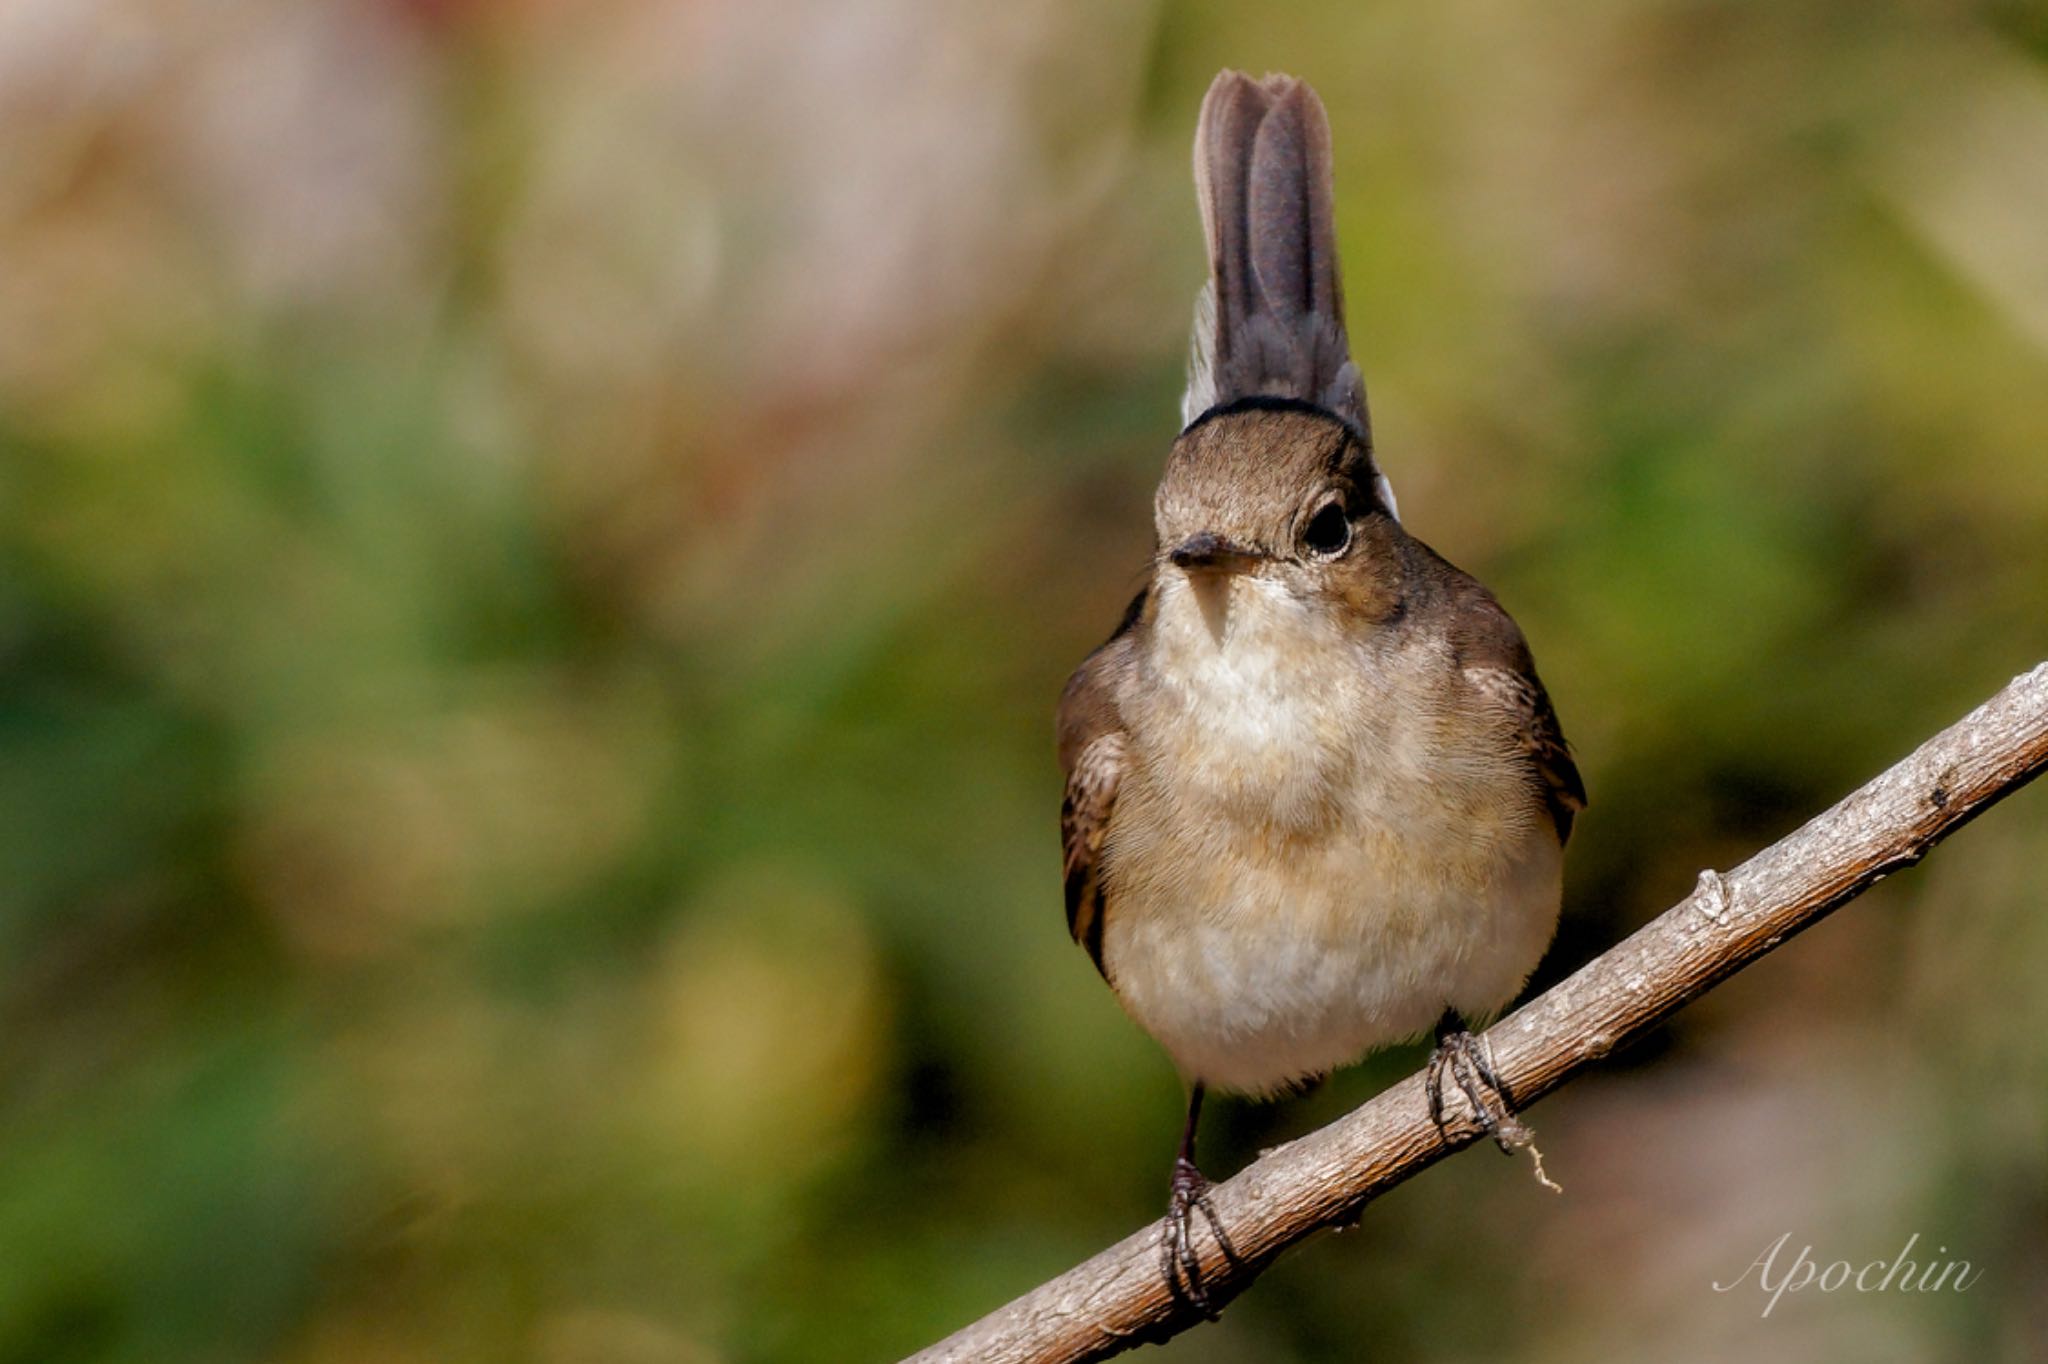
<point>1459,1054</point>
<point>1180,1262</point>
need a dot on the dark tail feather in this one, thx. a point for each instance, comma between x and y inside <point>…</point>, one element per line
<point>1271,322</point>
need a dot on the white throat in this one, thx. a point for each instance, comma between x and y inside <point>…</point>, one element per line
<point>1251,695</point>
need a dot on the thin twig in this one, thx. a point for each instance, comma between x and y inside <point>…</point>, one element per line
<point>1118,1299</point>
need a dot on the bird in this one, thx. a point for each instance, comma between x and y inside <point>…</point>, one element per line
<point>1316,796</point>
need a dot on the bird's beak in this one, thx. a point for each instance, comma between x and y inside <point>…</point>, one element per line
<point>1209,551</point>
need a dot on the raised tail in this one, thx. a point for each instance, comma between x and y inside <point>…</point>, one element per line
<point>1271,320</point>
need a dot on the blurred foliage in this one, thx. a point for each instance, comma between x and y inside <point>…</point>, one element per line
<point>538,544</point>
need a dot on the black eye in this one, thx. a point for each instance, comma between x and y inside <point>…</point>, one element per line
<point>1328,531</point>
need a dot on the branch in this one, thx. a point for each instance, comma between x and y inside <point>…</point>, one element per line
<point>1119,1298</point>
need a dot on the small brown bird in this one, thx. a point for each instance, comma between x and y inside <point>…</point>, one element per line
<point>1316,797</point>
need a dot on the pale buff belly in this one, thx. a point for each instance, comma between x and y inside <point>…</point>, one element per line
<point>1258,960</point>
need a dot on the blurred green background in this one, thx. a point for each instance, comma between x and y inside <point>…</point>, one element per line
<point>538,543</point>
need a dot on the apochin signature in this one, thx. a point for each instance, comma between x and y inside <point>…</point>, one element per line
<point>1896,1275</point>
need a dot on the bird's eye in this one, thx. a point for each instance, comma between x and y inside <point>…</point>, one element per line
<point>1328,532</point>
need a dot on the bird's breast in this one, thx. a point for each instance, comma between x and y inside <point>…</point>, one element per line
<point>1252,706</point>
<point>1314,849</point>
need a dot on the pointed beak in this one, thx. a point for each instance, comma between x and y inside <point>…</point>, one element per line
<point>1207,551</point>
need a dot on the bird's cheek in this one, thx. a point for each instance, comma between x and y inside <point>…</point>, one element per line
<point>1370,600</point>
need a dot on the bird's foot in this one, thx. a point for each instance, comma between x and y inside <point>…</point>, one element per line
<point>1460,1056</point>
<point>1179,1261</point>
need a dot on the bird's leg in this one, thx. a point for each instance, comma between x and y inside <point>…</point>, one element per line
<point>1459,1054</point>
<point>1178,1260</point>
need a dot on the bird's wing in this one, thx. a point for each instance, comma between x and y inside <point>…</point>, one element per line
<point>1093,754</point>
<point>1497,666</point>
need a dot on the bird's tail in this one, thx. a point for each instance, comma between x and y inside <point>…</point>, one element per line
<point>1271,320</point>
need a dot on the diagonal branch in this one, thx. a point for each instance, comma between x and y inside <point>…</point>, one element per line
<point>1119,1298</point>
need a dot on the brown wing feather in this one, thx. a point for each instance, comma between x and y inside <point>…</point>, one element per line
<point>1093,755</point>
<point>1550,758</point>
<point>1498,665</point>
